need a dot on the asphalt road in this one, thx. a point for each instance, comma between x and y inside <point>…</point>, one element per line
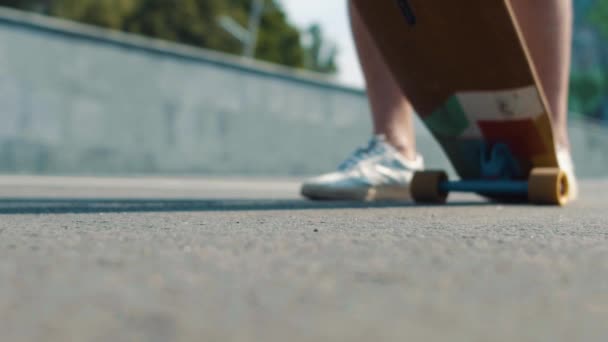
<point>89,259</point>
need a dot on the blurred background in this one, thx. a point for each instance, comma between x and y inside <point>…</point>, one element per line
<point>216,87</point>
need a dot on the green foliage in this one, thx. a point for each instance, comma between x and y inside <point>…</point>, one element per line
<point>587,91</point>
<point>598,15</point>
<point>105,13</point>
<point>320,54</point>
<point>190,22</point>
<point>193,22</point>
<point>589,79</point>
<point>278,48</point>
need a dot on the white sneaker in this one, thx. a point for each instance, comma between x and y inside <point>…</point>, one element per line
<point>564,159</point>
<point>374,173</point>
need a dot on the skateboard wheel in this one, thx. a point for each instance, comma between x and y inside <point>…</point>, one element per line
<point>425,187</point>
<point>548,186</point>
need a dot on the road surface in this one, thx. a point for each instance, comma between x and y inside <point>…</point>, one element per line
<point>159,259</point>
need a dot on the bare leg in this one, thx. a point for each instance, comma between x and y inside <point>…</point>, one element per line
<point>391,111</point>
<point>547,27</point>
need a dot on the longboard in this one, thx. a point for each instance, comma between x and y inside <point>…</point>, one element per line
<point>466,69</point>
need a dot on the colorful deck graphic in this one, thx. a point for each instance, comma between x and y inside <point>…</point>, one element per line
<point>470,124</point>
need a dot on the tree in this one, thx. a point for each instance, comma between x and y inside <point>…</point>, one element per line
<point>597,16</point>
<point>190,22</point>
<point>104,13</point>
<point>193,22</point>
<point>588,84</point>
<point>320,54</point>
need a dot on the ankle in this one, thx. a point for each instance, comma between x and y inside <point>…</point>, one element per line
<point>562,142</point>
<point>406,149</point>
<point>400,140</point>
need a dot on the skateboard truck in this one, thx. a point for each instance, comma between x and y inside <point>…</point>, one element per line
<point>501,178</point>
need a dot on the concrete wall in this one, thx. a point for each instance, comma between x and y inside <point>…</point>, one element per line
<point>74,99</point>
<point>79,100</point>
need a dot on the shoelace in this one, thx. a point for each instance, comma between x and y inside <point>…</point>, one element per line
<point>362,153</point>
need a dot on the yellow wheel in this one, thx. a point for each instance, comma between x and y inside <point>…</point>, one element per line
<point>548,186</point>
<point>425,187</point>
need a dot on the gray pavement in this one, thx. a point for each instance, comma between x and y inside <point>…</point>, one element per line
<point>159,259</point>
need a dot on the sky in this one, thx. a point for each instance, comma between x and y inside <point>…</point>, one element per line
<point>333,17</point>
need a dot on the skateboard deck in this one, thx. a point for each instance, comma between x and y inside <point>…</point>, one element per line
<point>465,67</point>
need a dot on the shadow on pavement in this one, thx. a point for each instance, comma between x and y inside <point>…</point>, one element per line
<point>77,206</point>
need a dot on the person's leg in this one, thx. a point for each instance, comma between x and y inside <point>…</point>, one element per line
<point>391,111</point>
<point>384,169</point>
<point>547,28</point>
